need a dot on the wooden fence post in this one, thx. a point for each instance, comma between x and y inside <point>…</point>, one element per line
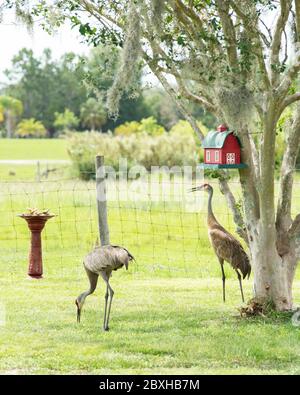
<point>101,200</point>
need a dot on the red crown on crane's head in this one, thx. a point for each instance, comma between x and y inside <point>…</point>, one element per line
<point>222,128</point>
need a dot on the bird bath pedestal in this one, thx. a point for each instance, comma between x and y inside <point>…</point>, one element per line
<point>36,224</point>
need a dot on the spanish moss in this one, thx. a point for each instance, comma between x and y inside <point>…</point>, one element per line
<point>123,82</point>
<point>23,14</point>
<point>157,10</point>
<point>236,103</point>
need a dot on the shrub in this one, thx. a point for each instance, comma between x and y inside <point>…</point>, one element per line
<point>184,128</point>
<point>127,128</point>
<point>65,120</point>
<point>148,126</point>
<point>83,147</point>
<point>1,113</point>
<point>165,149</point>
<point>31,128</point>
<point>151,127</point>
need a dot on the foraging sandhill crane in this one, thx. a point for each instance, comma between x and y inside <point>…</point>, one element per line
<point>226,246</point>
<point>103,260</point>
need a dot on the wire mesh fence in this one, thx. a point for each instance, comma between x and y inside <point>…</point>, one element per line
<point>166,233</point>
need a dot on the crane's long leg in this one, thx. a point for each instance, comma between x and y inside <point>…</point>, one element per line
<point>110,292</point>
<point>105,308</point>
<point>241,286</point>
<point>223,276</point>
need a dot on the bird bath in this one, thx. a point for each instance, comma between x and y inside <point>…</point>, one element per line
<point>36,223</point>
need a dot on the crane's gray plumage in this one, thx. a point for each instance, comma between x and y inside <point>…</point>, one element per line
<point>107,258</point>
<point>102,261</point>
<point>225,245</point>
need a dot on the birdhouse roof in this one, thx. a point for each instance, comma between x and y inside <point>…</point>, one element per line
<point>215,139</point>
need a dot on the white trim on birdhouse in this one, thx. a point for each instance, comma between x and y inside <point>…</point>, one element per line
<point>217,156</point>
<point>208,156</point>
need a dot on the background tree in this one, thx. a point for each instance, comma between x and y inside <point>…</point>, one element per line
<point>65,121</point>
<point>45,86</point>
<point>100,69</point>
<point>92,114</point>
<point>167,113</point>
<point>229,58</point>
<point>162,108</point>
<point>11,109</point>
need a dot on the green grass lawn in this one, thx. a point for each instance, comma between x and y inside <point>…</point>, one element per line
<point>173,326</point>
<point>33,149</point>
<point>167,315</point>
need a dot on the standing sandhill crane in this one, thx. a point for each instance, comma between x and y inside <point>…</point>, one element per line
<point>226,246</point>
<point>103,260</point>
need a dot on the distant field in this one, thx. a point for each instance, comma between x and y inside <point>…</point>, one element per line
<point>33,149</point>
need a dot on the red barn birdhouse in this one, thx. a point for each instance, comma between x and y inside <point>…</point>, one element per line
<point>222,149</point>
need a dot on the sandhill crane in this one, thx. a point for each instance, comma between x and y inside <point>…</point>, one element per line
<point>103,260</point>
<point>226,246</point>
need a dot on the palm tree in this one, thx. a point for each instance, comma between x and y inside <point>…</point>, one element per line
<point>11,108</point>
<point>92,114</point>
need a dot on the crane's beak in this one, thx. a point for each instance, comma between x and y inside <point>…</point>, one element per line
<point>194,189</point>
<point>78,311</point>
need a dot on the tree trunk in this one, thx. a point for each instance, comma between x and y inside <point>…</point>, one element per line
<point>273,256</point>
<point>273,274</point>
<point>9,125</point>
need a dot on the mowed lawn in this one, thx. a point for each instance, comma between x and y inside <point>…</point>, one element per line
<point>17,149</point>
<point>34,150</point>
<point>172,326</point>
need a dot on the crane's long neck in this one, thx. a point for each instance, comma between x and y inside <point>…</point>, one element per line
<point>210,215</point>
<point>93,284</point>
<point>83,296</point>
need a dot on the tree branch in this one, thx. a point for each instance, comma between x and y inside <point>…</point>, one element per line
<point>288,101</point>
<point>285,6</point>
<point>99,14</point>
<point>294,229</point>
<point>191,13</point>
<point>189,95</point>
<point>255,159</point>
<point>249,179</point>
<point>250,26</point>
<point>231,202</point>
<point>174,95</point>
<point>283,216</point>
<point>229,32</point>
<point>289,77</point>
<point>297,8</point>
